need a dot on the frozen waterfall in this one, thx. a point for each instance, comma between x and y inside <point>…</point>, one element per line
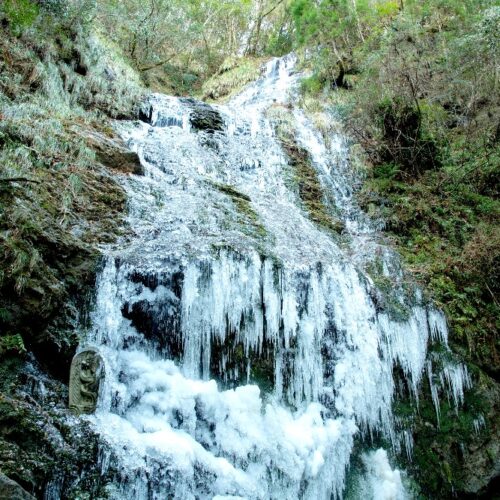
<point>247,350</point>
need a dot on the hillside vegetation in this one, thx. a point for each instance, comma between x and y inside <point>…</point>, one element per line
<point>416,85</point>
<point>61,83</point>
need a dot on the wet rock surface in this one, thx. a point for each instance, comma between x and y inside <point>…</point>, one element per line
<point>203,116</point>
<point>113,153</point>
<point>458,455</point>
<point>146,113</point>
<point>11,490</point>
<point>47,452</point>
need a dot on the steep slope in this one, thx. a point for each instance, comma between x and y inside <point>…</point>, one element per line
<point>59,86</point>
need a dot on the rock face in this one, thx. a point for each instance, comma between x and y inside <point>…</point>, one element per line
<point>203,116</point>
<point>459,455</point>
<point>87,371</point>
<point>146,113</point>
<point>480,456</point>
<point>40,448</point>
<point>10,490</point>
<point>113,153</point>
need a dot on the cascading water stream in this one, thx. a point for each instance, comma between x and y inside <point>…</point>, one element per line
<point>245,348</point>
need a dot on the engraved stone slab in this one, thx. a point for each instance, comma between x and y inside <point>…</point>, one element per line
<point>87,371</point>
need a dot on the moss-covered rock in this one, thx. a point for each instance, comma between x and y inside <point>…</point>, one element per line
<point>41,446</point>
<point>233,75</point>
<point>203,117</point>
<point>112,152</point>
<point>12,490</point>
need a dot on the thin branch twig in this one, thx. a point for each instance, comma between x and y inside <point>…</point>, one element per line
<point>18,179</point>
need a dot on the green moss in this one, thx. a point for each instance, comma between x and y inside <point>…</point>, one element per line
<point>443,447</point>
<point>231,191</point>
<point>20,14</point>
<point>248,219</point>
<point>233,75</point>
<point>309,188</point>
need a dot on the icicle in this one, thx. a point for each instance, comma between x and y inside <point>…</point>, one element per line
<point>479,423</point>
<point>456,381</point>
<point>434,391</point>
<point>437,326</point>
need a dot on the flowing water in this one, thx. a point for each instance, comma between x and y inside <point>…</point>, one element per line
<point>248,352</point>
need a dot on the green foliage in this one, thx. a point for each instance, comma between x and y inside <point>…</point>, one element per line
<point>387,9</point>
<point>279,44</point>
<point>12,344</point>
<point>20,14</point>
<point>332,30</point>
<point>313,84</point>
<point>386,171</point>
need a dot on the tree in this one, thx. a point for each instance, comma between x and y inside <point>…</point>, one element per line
<point>263,11</point>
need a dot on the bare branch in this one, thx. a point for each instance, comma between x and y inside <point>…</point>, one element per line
<point>17,179</point>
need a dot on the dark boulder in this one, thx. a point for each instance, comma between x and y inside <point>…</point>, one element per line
<point>204,117</point>
<point>113,153</point>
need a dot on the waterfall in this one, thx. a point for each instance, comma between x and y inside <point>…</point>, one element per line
<point>247,348</point>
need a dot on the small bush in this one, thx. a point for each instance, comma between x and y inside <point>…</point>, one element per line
<point>12,344</point>
<point>312,85</point>
<point>403,140</point>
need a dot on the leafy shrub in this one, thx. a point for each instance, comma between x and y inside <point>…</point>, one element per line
<point>312,85</point>
<point>12,343</point>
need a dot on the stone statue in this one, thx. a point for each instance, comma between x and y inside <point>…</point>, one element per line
<point>87,371</point>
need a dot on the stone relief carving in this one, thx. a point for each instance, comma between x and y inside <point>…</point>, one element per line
<point>87,371</point>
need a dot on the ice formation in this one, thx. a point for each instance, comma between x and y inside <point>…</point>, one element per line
<point>245,351</point>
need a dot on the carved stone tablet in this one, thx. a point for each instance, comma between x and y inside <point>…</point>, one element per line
<point>87,371</point>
